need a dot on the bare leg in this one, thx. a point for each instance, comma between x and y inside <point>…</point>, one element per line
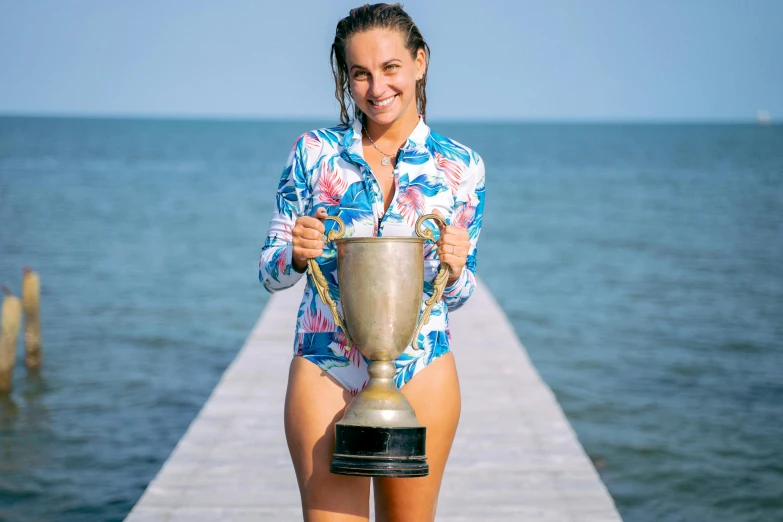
<point>434,394</point>
<point>314,402</point>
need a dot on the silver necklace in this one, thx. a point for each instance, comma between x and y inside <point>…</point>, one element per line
<point>385,160</point>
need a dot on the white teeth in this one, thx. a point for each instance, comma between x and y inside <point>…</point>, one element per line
<point>385,102</point>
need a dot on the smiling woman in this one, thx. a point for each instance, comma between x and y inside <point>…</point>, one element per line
<point>366,47</point>
<point>379,171</point>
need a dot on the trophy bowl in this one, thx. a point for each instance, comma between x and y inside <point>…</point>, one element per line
<point>381,280</point>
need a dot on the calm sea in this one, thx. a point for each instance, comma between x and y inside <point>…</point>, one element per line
<point>641,265</point>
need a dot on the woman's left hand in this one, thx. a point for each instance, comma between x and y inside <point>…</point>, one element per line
<point>453,247</point>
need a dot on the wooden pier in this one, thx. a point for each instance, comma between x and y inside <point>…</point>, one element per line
<point>515,456</point>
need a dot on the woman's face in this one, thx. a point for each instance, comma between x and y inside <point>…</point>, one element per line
<point>382,75</point>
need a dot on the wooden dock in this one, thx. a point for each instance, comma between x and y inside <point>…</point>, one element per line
<point>515,456</point>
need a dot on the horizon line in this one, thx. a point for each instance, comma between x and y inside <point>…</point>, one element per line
<point>229,118</point>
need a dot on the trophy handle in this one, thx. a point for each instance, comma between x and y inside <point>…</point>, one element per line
<point>322,286</point>
<point>438,284</point>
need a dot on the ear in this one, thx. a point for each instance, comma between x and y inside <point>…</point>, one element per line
<point>421,63</point>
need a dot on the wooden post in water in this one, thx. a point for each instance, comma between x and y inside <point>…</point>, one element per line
<point>10,319</point>
<point>31,297</point>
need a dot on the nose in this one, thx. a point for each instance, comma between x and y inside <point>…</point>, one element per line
<point>378,88</point>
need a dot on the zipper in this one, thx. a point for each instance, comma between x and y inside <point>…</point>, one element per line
<point>396,179</point>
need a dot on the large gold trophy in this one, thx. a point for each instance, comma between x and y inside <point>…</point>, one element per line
<point>381,281</point>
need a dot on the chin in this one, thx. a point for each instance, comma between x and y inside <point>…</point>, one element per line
<point>385,118</point>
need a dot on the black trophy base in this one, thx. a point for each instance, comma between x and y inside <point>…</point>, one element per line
<point>375,451</point>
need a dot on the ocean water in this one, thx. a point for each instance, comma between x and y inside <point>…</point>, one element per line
<point>641,266</point>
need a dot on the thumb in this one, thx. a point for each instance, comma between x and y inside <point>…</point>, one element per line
<point>441,226</point>
<point>320,213</point>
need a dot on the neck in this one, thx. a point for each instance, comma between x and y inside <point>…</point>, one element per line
<point>394,133</point>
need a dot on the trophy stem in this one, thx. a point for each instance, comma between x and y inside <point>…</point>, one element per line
<point>379,435</point>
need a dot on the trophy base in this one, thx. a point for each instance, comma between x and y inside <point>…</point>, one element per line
<point>379,451</point>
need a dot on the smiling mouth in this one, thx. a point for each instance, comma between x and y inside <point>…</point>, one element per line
<point>383,103</point>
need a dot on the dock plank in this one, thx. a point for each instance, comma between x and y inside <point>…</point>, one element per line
<point>515,456</point>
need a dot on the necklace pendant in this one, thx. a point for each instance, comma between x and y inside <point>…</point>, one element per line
<point>385,161</point>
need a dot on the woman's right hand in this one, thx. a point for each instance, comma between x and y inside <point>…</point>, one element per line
<point>308,240</point>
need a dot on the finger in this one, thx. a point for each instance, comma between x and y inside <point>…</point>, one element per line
<point>460,233</point>
<point>311,222</point>
<point>437,213</point>
<point>308,244</point>
<point>449,237</point>
<point>309,253</point>
<point>311,244</point>
<point>310,233</point>
<point>453,239</point>
<point>453,251</point>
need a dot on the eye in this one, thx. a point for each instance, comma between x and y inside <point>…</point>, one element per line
<point>392,67</point>
<point>360,74</point>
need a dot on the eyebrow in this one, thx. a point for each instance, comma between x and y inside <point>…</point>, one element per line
<point>387,62</point>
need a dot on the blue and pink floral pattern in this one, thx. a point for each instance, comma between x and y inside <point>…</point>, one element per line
<point>326,168</point>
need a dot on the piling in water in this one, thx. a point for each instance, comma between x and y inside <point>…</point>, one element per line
<point>31,297</point>
<point>10,319</point>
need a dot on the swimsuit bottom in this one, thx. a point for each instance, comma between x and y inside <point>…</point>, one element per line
<point>349,367</point>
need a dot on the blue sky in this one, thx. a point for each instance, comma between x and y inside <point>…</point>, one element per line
<point>513,60</point>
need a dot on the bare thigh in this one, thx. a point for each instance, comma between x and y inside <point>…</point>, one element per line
<point>434,394</point>
<point>314,402</point>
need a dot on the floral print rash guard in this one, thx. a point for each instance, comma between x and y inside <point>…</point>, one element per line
<point>326,168</point>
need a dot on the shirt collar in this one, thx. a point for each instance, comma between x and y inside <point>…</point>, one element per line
<point>352,141</point>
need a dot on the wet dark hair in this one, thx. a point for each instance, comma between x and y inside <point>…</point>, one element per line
<point>390,17</point>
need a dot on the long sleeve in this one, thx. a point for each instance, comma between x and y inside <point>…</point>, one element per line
<point>468,213</point>
<point>275,270</point>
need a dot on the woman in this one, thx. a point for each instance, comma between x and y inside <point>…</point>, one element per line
<point>379,170</point>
